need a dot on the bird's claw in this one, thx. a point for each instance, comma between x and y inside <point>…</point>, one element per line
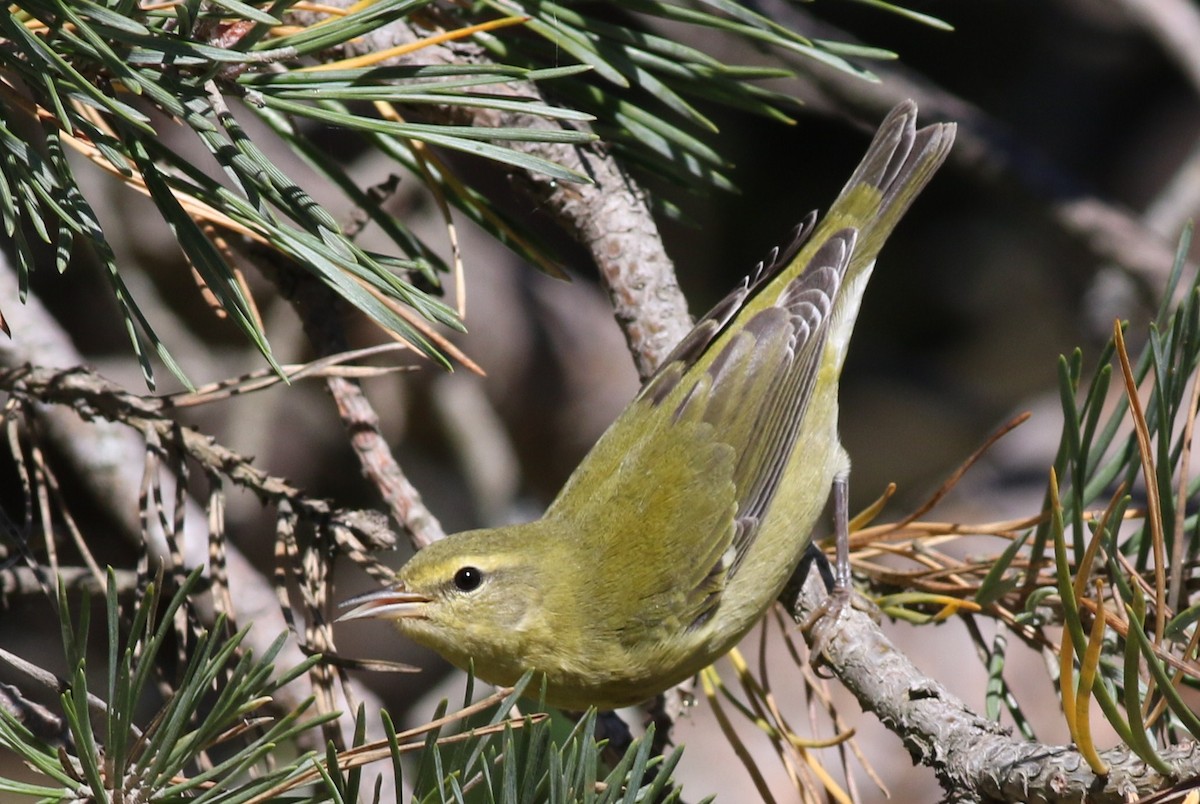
<point>822,625</point>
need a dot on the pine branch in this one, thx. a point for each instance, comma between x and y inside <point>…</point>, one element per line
<point>974,758</point>
<point>108,458</point>
<point>609,215</point>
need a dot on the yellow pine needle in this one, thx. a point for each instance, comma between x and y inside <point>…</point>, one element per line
<point>424,156</point>
<point>421,325</point>
<point>1083,568</point>
<point>334,13</point>
<point>428,160</point>
<point>1087,678</point>
<point>756,691</point>
<point>371,59</point>
<point>817,692</point>
<point>203,213</point>
<point>769,708</point>
<point>198,210</point>
<point>358,6</point>
<point>239,278</point>
<point>771,721</point>
<point>1066,684</point>
<point>950,605</point>
<point>1066,652</point>
<point>451,181</point>
<point>1077,698</point>
<point>779,734</point>
<point>320,8</point>
<point>868,514</point>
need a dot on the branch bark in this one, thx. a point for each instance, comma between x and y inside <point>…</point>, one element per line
<point>974,758</point>
<point>319,310</point>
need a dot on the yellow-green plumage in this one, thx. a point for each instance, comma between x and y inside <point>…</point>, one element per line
<point>683,523</point>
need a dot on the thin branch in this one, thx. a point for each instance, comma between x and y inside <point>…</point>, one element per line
<point>43,723</point>
<point>50,684</point>
<point>319,311</point>
<point>108,456</point>
<point>19,580</point>
<point>96,399</point>
<point>1175,24</point>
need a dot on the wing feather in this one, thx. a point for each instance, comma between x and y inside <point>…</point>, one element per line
<point>699,456</point>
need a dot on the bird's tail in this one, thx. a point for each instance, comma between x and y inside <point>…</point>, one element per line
<point>898,164</point>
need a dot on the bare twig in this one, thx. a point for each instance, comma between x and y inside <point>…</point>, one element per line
<point>38,719</point>
<point>96,399</point>
<point>108,459</point>
<point>47,682</point>
<point>16,580</point>
<point>319,310</point>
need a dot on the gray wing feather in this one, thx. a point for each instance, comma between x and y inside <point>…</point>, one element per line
<point>801,316</point>
<point>775,357</point>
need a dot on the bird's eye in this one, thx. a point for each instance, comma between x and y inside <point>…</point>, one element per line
<point>468,579</point>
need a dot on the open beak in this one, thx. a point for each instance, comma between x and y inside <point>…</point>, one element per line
<point>390,604</point>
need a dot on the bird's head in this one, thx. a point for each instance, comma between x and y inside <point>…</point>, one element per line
<point>474,595</point>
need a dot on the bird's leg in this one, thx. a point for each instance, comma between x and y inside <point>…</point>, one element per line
<point>821,622</point>
<point>841,532</point>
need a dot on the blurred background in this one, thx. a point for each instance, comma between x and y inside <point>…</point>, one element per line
<point>1074,113</point>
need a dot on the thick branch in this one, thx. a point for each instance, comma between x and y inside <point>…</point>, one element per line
<point>974,758</point>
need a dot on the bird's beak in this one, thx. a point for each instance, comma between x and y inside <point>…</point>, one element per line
<point>391,604</point>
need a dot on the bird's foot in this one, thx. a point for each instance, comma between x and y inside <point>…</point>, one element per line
<point>822,625</point>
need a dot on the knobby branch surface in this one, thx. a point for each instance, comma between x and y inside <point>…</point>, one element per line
<point>975,759</point>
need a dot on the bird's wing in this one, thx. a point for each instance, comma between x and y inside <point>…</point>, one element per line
<point>763,346</point>
<point>757,386</point>
<point>676,488</point>
<point>693,345</point>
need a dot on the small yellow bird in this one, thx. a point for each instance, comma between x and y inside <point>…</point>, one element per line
<point>683,523</point>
